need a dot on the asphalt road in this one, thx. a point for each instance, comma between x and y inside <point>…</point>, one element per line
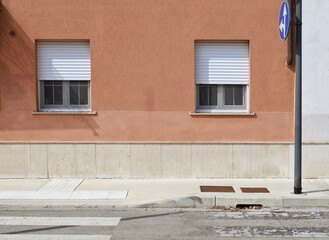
<point>99,224</point>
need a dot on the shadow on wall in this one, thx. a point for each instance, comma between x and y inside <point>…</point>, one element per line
<point>18,84</point>
<point>16,60</point>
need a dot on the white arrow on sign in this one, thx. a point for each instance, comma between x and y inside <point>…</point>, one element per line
<point>282,26</point>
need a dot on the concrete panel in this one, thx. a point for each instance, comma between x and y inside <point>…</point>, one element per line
<point>14,160</point>
<point>176,161</point>
<point>212,160</point>
<point>261,160</point>
<point>39,161</point>
<point>275,160</point>
<point>113,160</point>
<point>247,161</point>
<point>61,160</point>
<point>160,160</point>
<point>146,160</point>
<point>315,161</point>
<point>291,161</point>
<point>86,160</point>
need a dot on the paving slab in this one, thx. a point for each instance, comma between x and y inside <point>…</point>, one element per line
<point>22,184</point>
<point>50,195</point>
<point>180,193</point>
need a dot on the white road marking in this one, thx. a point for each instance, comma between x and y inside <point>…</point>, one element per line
<point>60,221</point>
<point>255,232</point>
<point>234,215</point>
<point>261,214</point>
<point>53,237</point>
<point>250,232</point>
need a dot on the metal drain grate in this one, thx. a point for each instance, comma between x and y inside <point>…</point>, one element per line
<point>217,189</point>
<point>254,190</point>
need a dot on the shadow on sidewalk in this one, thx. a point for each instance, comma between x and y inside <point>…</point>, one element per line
<point>317,191</point>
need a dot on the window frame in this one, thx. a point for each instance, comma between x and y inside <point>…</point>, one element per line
<point>221,107</point>
<point>65,107</point>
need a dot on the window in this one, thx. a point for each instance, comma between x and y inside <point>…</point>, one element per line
<point>64,75</point>
<point>217,97</point>
<point>222,76</point>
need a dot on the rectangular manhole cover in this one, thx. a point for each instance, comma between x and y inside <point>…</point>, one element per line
<point>217,189</point>
<point>254,190</point>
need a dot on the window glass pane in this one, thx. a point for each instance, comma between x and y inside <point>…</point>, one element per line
<point>74,83</point>
<point>238,95</point>
<point>213,95</point>
<point>203,95</point>
<point>228,95</point>
<point>58,95</point>
<point>74,94</point>
<point>83,83</point>
<point>84,95</point>
<point>48,94</point>
<point>48,83</point>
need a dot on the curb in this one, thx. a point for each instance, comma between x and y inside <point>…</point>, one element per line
<point>201,202</point>
<point>184,202</point>
<point>215,201</point>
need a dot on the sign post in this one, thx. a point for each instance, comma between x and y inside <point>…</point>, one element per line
<point>298,101</point>
<point>284,26</point>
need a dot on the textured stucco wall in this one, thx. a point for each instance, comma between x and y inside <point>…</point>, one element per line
<point>315,71</point>
<point>142,59</point>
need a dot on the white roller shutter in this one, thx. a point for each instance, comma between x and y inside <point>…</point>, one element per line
<point>63,60</point>
<point>222,63</point>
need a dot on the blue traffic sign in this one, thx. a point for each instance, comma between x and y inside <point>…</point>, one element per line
<point>284,20</point>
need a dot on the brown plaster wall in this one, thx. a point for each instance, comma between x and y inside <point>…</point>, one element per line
<point>142,60</point>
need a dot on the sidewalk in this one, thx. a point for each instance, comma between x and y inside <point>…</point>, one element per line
<point>159,193</point>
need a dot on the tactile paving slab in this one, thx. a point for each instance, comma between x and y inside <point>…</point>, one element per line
<point>61,185</point>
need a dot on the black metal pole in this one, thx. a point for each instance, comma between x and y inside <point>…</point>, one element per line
<point>298,101</point>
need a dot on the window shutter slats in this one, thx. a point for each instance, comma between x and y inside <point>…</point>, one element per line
<point>222,63</point>
<point>63,61</point>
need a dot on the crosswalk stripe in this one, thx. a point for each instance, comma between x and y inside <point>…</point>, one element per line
<point>53,237</point>
<point>60,221</point>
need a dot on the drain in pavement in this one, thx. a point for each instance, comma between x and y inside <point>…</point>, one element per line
<point>249,206</point>
<point>254,190</point>
<point>217,189</point>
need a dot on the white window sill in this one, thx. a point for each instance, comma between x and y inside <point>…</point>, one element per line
<point>222,114</point>
<point>65,113</point>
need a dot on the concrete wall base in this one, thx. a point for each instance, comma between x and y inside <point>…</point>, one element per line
<point>159,160</point>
